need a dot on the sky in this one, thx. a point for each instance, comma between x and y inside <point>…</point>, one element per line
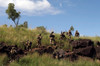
<point>57,15</point>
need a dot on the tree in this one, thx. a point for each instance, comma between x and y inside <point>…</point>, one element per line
<point>5,25</point>
<point>72,28</point>
<point>25,24</point>
<point>13,14</point>
<point>42,29</point>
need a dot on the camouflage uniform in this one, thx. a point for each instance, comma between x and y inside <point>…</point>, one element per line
<point>59,53</point>
<point>28,45</point>
<point>62,36</point>
<point>76,34</point>
<point>52,40</point>
<point>39,40</point>
<point>13,52</point>
<point>69,33</point>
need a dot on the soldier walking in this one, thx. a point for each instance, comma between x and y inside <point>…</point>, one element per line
<point>39,38</point>
<point>69,33</point>
<point>52,40</point>
<point>77,33</point>
<point>62,36</point>
<point>28,45</point>
<point>13,52</point>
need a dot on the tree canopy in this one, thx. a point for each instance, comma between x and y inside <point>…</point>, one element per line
<point>72,28</point>
<point>13,14</point>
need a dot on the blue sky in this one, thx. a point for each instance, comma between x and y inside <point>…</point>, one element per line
<point>58,15</point>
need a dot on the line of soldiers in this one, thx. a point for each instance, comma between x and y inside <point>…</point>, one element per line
<point>52,37</point>
<point>28,44</point>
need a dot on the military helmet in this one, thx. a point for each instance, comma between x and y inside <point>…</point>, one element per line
<point>52,32</point>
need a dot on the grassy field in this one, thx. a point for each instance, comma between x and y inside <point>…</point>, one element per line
<point>46,60</point>
<point>16,36</point>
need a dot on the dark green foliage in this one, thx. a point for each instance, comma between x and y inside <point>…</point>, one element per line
<point>72,28</point>
<point>41,28</point>
<point>13,14</point>
<point>25,24</point>
<point>47,60</point>
<point>3,60</point>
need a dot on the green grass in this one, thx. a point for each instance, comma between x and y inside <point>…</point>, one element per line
<point>3,60</point>
<point>46,60</point>
<point>17,36</point>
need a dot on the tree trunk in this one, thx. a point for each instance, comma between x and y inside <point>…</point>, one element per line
<point>18,21</point>
<point>15,23</point>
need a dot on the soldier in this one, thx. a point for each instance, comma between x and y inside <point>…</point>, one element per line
<point>69,33</point>
<point>24,44</point>
<point>66,33</point>
<point>28,45</point>
<point>52,36</point>
<point>39,38</point>
<point>59,53</point>
<point>13,52</point>
<point>62,36</point>
<point>77,33</point>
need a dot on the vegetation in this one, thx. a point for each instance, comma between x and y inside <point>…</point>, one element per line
<point>72,28</point>
<point>17,36</point>
<point>20,34</point>
<point>47,60</point>
<point>24,25</point>
<point>3,59</point>
<point>13,14</point>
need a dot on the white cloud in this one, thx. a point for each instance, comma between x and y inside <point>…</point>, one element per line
<point>33,7</point>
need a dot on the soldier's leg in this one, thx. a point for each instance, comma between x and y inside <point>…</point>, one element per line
<point>24,47</point>
<point>27,47</point>
<point>50,41</point>
<point>70,37</point>
<point>39,43</point>
<point>53,41</point>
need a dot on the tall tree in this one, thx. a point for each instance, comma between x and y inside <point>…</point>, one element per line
<point>13,14</point>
